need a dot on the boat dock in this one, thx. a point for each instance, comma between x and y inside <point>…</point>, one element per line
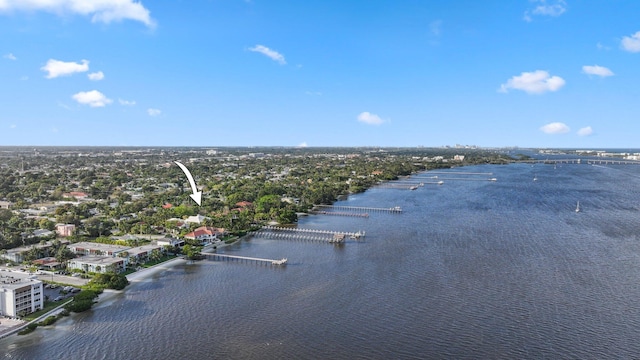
<point>453,172</point>
<point>395,209</point>
<point>282,261</point>
<point>313,231</point>
<point>337,213</point>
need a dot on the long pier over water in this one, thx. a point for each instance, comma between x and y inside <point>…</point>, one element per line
<point>395,209</point>
<point>275,232</point>
<point>282,261</point>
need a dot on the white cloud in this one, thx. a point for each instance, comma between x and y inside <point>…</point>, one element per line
<point>369,118</point>
<point>126,102</point>
<point>545,8</point>
<point>597,70</point>
<point>272,54</point>
<point>57,68</point>
<point>96,76</point>
<point>153,112</point>
<point>631,43</point>
<point>555,128</point>
<point>104,11</point>
<point>585,131</point>
<point>536,82</point>
<point>303,144</point>
<point>12,126</point>
<point>54,130</point>
<point>24,78</point>
<point>602,47</point>
<point>93,98</point>
<point>10,56</point>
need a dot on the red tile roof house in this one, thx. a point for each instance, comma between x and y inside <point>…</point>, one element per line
<point>243,204</point>
<point>205,234</point>
<point>79,195</point>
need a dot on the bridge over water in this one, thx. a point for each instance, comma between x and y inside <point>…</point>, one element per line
<point>583,161</point>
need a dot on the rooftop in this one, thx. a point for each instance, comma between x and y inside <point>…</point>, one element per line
<point>13,279</point>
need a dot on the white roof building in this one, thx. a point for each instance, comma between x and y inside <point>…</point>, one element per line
<point>20,294</point>
<point>98,264</point>
<point>97,249</point>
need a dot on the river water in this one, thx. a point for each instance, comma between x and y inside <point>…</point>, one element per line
<point>471,269</point>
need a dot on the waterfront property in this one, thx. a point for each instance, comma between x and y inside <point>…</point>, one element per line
<point>205,234</point>
<point>169,241</point>
<point>20,294</point>
<point>141,254</point>
<point>98,264</point>
<point>97,249</point>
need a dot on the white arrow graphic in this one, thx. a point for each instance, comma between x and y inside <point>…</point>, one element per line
<point>197,195</point>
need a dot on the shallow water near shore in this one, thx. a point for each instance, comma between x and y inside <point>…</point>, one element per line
<point>470,269</point>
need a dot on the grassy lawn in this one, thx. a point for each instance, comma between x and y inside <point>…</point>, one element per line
<point>48,306</point>
<point>162,259</point>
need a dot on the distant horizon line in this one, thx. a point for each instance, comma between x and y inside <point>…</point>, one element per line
<point>463,147</point>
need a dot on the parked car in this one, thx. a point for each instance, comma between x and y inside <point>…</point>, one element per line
<point>58,298</point>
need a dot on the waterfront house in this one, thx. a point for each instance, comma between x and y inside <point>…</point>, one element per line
<point>169,241</point>
<point>5,204</point>
<point>20,294</point>
<point>205,234</point>
<point>98,264</point>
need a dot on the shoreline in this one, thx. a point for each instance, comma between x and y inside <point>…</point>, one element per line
<point>134,277</point>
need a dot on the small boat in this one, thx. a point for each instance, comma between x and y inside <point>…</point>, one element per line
<point>535,178</point>
<point>578,207</point>
<point>413,187</point>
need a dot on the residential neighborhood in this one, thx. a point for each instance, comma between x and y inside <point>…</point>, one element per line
<point>88,211</point>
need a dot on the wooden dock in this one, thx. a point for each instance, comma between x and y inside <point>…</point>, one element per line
<point>395,209</point>
<point>338,213</point>
<point>282,261</point>
<point>355,235</point>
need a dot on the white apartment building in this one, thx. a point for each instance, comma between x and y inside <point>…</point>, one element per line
<point>98,264</point>
<point>20,294</point>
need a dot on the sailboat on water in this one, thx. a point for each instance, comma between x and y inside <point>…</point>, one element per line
<point>578,207</point>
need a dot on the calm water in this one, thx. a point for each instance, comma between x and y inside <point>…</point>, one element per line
<point>471,269</point>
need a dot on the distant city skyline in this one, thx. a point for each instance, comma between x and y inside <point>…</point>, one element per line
<point>527,73</point>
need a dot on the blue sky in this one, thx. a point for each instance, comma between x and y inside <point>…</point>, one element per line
<point>320,73</point>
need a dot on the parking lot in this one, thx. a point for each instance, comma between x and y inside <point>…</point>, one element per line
<point>62,279</point>
<point>57,293</point>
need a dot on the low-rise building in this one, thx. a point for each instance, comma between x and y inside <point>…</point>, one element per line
<point>98,264</point>
<point>17,254</point>
<point>141,254</point>
<point>5,204</point>
<point>20,294</point>
<point>47,263</point>
<point>169,241</point>
<point>196,219</point>
<point>97,249</point>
